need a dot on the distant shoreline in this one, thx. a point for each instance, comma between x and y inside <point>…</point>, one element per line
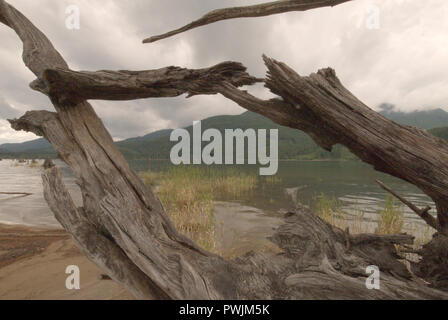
<point>146,159</point>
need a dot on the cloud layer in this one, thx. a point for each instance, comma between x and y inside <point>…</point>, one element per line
<point>404,62</point>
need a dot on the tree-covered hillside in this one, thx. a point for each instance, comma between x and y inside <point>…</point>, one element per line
<point>293,144</point>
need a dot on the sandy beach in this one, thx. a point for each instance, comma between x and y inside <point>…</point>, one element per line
<point>33,263</point>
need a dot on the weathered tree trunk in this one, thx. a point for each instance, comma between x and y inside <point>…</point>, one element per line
<point>320,106</point>
<point>123,227</point>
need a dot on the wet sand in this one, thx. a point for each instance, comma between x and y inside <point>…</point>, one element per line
<point>33,263</point>
<point>33,260</point>
<point>241,229</point>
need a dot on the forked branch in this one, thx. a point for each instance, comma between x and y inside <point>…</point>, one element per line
<point>322,107</point>
<point>38,52</point>
<point>124,228</point>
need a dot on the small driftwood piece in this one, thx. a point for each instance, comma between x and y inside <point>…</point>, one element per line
<point>17,193</point>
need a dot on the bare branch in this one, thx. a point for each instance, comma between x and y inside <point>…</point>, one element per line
<point>123,226</point>
<point>322,107</point>
<point>128,85</point>
<point>16,193</point>
<point>38,52</point>
<point>33,121</point>
<point>116,201</point>
<point>259,10</point>
<point>422,213</point>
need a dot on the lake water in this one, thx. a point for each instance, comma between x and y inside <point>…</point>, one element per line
<point>29,210</point>
<point>353,183</point>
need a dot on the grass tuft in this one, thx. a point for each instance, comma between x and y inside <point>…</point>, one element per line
<point>150,178</point>
<point>391,219</point>
<point>34,164</point>
<point>187,194</point>
<point>330,210</point>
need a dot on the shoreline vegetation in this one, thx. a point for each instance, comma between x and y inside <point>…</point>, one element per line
<point>187,194</point>
<point>391,219</point>
<point>32,163</point>
<point>25,158</point>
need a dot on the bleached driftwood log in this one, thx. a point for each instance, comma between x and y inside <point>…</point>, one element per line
<point>123,228</point>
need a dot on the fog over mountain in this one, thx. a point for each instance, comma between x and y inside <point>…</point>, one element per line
<point>404,61</point>
<point>426,119</point>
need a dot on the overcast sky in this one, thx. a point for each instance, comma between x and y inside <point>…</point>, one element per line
<point>403,62</point>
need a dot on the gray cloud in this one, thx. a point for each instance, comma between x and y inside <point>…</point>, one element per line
<point>6,111</point>
<point>403,63</point>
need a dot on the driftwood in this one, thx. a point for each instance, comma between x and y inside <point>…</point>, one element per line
<point>259,10</point>
<point>422,213</point>
<point>128,85</point>
<point>16,193</point>
<point>123,228</point>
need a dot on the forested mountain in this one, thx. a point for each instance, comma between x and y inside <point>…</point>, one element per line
<point>293,144</point>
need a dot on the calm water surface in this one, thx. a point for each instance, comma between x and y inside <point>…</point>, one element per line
<point>29,210</point>
<point>353,183</point>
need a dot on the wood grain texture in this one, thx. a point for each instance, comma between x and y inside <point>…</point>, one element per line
<point>314,264</point>
<point>259,10</point>
<point>116,202</point>
<point>38,52</point>
<point>128,85</point>
<point>103,251</point>
<point>322,107</point>
<point>123,227</point>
